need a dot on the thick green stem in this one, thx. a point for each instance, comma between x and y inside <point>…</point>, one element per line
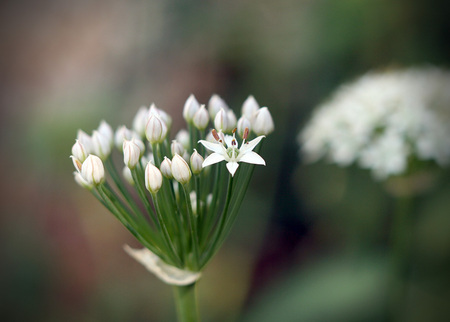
<point>186,303</point>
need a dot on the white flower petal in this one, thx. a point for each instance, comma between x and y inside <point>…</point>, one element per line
<point>249,146</point>
<point>215,147</point>
<point>251,157</point>
<point>232,167</point>
<point>169,274</point>
<point>212,159</point>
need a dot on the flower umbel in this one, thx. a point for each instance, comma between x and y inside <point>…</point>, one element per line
<point>226,149</point>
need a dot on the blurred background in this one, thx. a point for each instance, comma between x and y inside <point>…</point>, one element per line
<point>311,242</point>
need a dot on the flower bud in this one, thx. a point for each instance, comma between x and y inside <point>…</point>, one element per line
<point>183,137</point>
<point>196,162</point>
<point>78,151</point>
<point>140,121</point>
<point>231,121</point>
<point>101,145</point>
<point>162,115</point>
<point>190,108</point>
<point>126,172</point>
<point>76,163</point>
<point>122,133</point>
<point>106,129</point>
<point>176,148</point>
<point>201,118</point>
<point>86,140</point>
<point>79,179</point>
<point>221,121</point>
<point>153,178</point>
<point>92,170</point>
<point>215,104</point>
<point>242,124</point>
<point>131,153</point>
<point>263,123</point>
<point>166,168</point>
<point>156,129</point>
<point>180,169</point>
<point>250,107</point>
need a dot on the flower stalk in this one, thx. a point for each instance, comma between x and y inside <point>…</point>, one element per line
<point>174,199</point>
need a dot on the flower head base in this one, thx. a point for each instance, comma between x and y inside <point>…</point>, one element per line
<point>227,150</point>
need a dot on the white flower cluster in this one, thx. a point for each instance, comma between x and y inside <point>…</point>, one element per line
<point>382,121</point>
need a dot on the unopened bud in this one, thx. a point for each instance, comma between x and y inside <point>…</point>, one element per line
<point>101,145</point>
<point>180,169</point>
<point>215,104</point>
<point>190,108</point>
<point>250,107</point>
<point>78,151</point>
<point>86,140</point>
<point>196,162</point>
<point>156,129</point>
<point>242,124</point>
<point>166,168</point>
<point>201,118</point>
<point>140,121</point>
<point>263,122</point>
<point>231,121</point>
<point>131,153</point>
<point>176,148</point>
<point>92,170</point>
<point>153,178</point>
<point>221,121</point>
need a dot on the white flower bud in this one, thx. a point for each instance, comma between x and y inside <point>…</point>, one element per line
<point>122,133</point>
<point>190,108</point>
<point>79,179</point>
<point>201,118</point>
<point>215,104</point>
<point>106,129</point>
<point>183,137</point>
<point>196,162</point>
<point>166,168</point>
<point>131,153</point>
<point>76,163</point>
<point>153,178</point>
<point>101,145</point>
<point>242,124</point>
<point>250,107</point>
<point>86,140</point>
<point>180,169</point>
<point>126,172</point>
<point>156,129</point>
<point>231,121</point>
<point>92,170</point>
<point>140,120</point>
<point>78,151</point>
<point>263,123</point>
<point>176,148</point>
<point>162,115</point>
<point>221,121</point>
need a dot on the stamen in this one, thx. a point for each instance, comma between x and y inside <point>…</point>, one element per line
<point>245,135</point>
<point>215,135</point>
<point>234,131</point>
<point>233,142</point>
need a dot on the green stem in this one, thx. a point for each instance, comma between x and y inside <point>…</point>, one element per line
<point>186,303</point>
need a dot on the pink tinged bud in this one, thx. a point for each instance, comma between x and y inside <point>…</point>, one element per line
<point>190,108</point>
<point>183,137</point>
<point>196,162</point>
<point>176,148</point>
<point>242,124</point>
<point>92,170</point>
<point>153,178</point>
<point>156,129</point>
<point>263,122</point>
<point>201,118</point>
<point>140,121</point>
<point>78,151</point>
<point>126,172</point>
<point>180,169</point>
<point>101,145</point>
<point>166,168</point>
<point>86,140</point>
<point>221,121</point>
<point>250,107</point>
<point>79,179</point>
<point>215,104</point>
<point>231,121</point>
<point>131,153</point>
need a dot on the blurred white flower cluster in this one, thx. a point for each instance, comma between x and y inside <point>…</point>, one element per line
<point>382,121</point>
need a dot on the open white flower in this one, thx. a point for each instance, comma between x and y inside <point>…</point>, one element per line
<point>226,149</point>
